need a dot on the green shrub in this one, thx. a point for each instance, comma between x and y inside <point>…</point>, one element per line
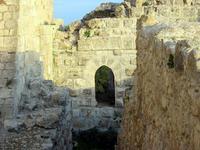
<point>66,28</point>
<point>87,33</point>
<point>102,78</point>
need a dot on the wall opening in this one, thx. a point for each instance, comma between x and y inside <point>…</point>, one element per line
<point>105,86</point>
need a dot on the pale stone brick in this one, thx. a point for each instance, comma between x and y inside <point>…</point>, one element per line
<point>3,8</point>
<point>1,16</point>
<point>6,58</point>
<point>10,42</point>
<point>9,24</point>
<point>3,83</point>
<point>10,66</point>
<point>1,41</point>
<point>4,32</point>
<point>1,66</point>
<point>13,8</point>
<point>12,32</point>
<point>5,93</point>
<point>8,73</point>
<point>2,24</point>
<point>7,15</point>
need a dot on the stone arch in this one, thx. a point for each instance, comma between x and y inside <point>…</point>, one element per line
<point>93,65</point>
<point>105,86</point>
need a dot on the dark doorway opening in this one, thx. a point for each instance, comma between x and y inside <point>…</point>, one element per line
<point>105,86</point>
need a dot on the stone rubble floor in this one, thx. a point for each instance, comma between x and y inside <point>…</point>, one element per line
<point>35,139</point>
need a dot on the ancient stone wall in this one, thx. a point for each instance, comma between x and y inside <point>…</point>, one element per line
<point>98,42</point>
<point>8,47</point>
<point>34,40</point>
<point>165,111</point>
<point>34,113</point>
<point>18,36</point>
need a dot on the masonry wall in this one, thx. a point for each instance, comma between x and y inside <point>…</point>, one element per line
<point>77,58</point>
<point>22,36</point>
<point>35,35</point>
<point>30,63</point>
<point>26,33</point>
<point>165,111</point>
<point>8,47</point>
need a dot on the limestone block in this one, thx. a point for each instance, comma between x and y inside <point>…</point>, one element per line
<point>120,92</point>
<point>2,24</point>
<point>3,83</point>
<point>6,93</point>
<point>129,43</point>
<point>74,73</point>
<point>117,52</point>
<point>96,23</point>
<point>113,23</point>
<point>10,42</point>
<point>139,3</point>
<point>86,112</point>
<point>133,61</point>
<point>100,44</point>
<point>106,112</point>
<point>12,8</point>
<point>85,45</point>
<point>10,66</point>
<point>11,125</point>
<point>4,32</point>
<point>3,8</point>
<point>82,61</point>
<point>9,24</point>
<point>86,101</point>
<point>130,23</point>
<point>7,15</point>
<point>7,57</point>
<point>119,103</point>
<point>8,74</point>
<point>1,16</point>
<point>115,43</point>
<point>1,66</point>
<point>129,71</point>
<point>75,102</point>
<point>87,92</point>
<point>73,93</point>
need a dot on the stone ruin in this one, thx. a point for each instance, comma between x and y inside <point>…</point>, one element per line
<point>164,113</point>
<point>48,84</point>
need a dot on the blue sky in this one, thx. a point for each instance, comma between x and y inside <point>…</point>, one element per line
<point>71,10</point>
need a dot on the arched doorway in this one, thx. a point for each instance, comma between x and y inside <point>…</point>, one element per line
<point>105,86</point>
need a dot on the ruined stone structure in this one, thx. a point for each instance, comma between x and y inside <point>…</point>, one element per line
<point>164,113</point>
<point>109,44</point>
<point>47,82</point>
<point>41,62</point>
<point>36,113</point>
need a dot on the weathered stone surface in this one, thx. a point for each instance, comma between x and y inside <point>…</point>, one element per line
<point>164,112</point>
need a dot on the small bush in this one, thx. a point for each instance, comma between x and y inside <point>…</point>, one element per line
<point>87,33</point>
<point>66,28</point>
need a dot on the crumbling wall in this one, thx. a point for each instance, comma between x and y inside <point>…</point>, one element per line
<point>35,114</point>
<point>165,111</point>
<point>44,120</point>
<point>80,52</point>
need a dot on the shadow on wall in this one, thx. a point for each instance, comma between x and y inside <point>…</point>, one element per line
<point>23,88</point>
<point>40,103</point>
